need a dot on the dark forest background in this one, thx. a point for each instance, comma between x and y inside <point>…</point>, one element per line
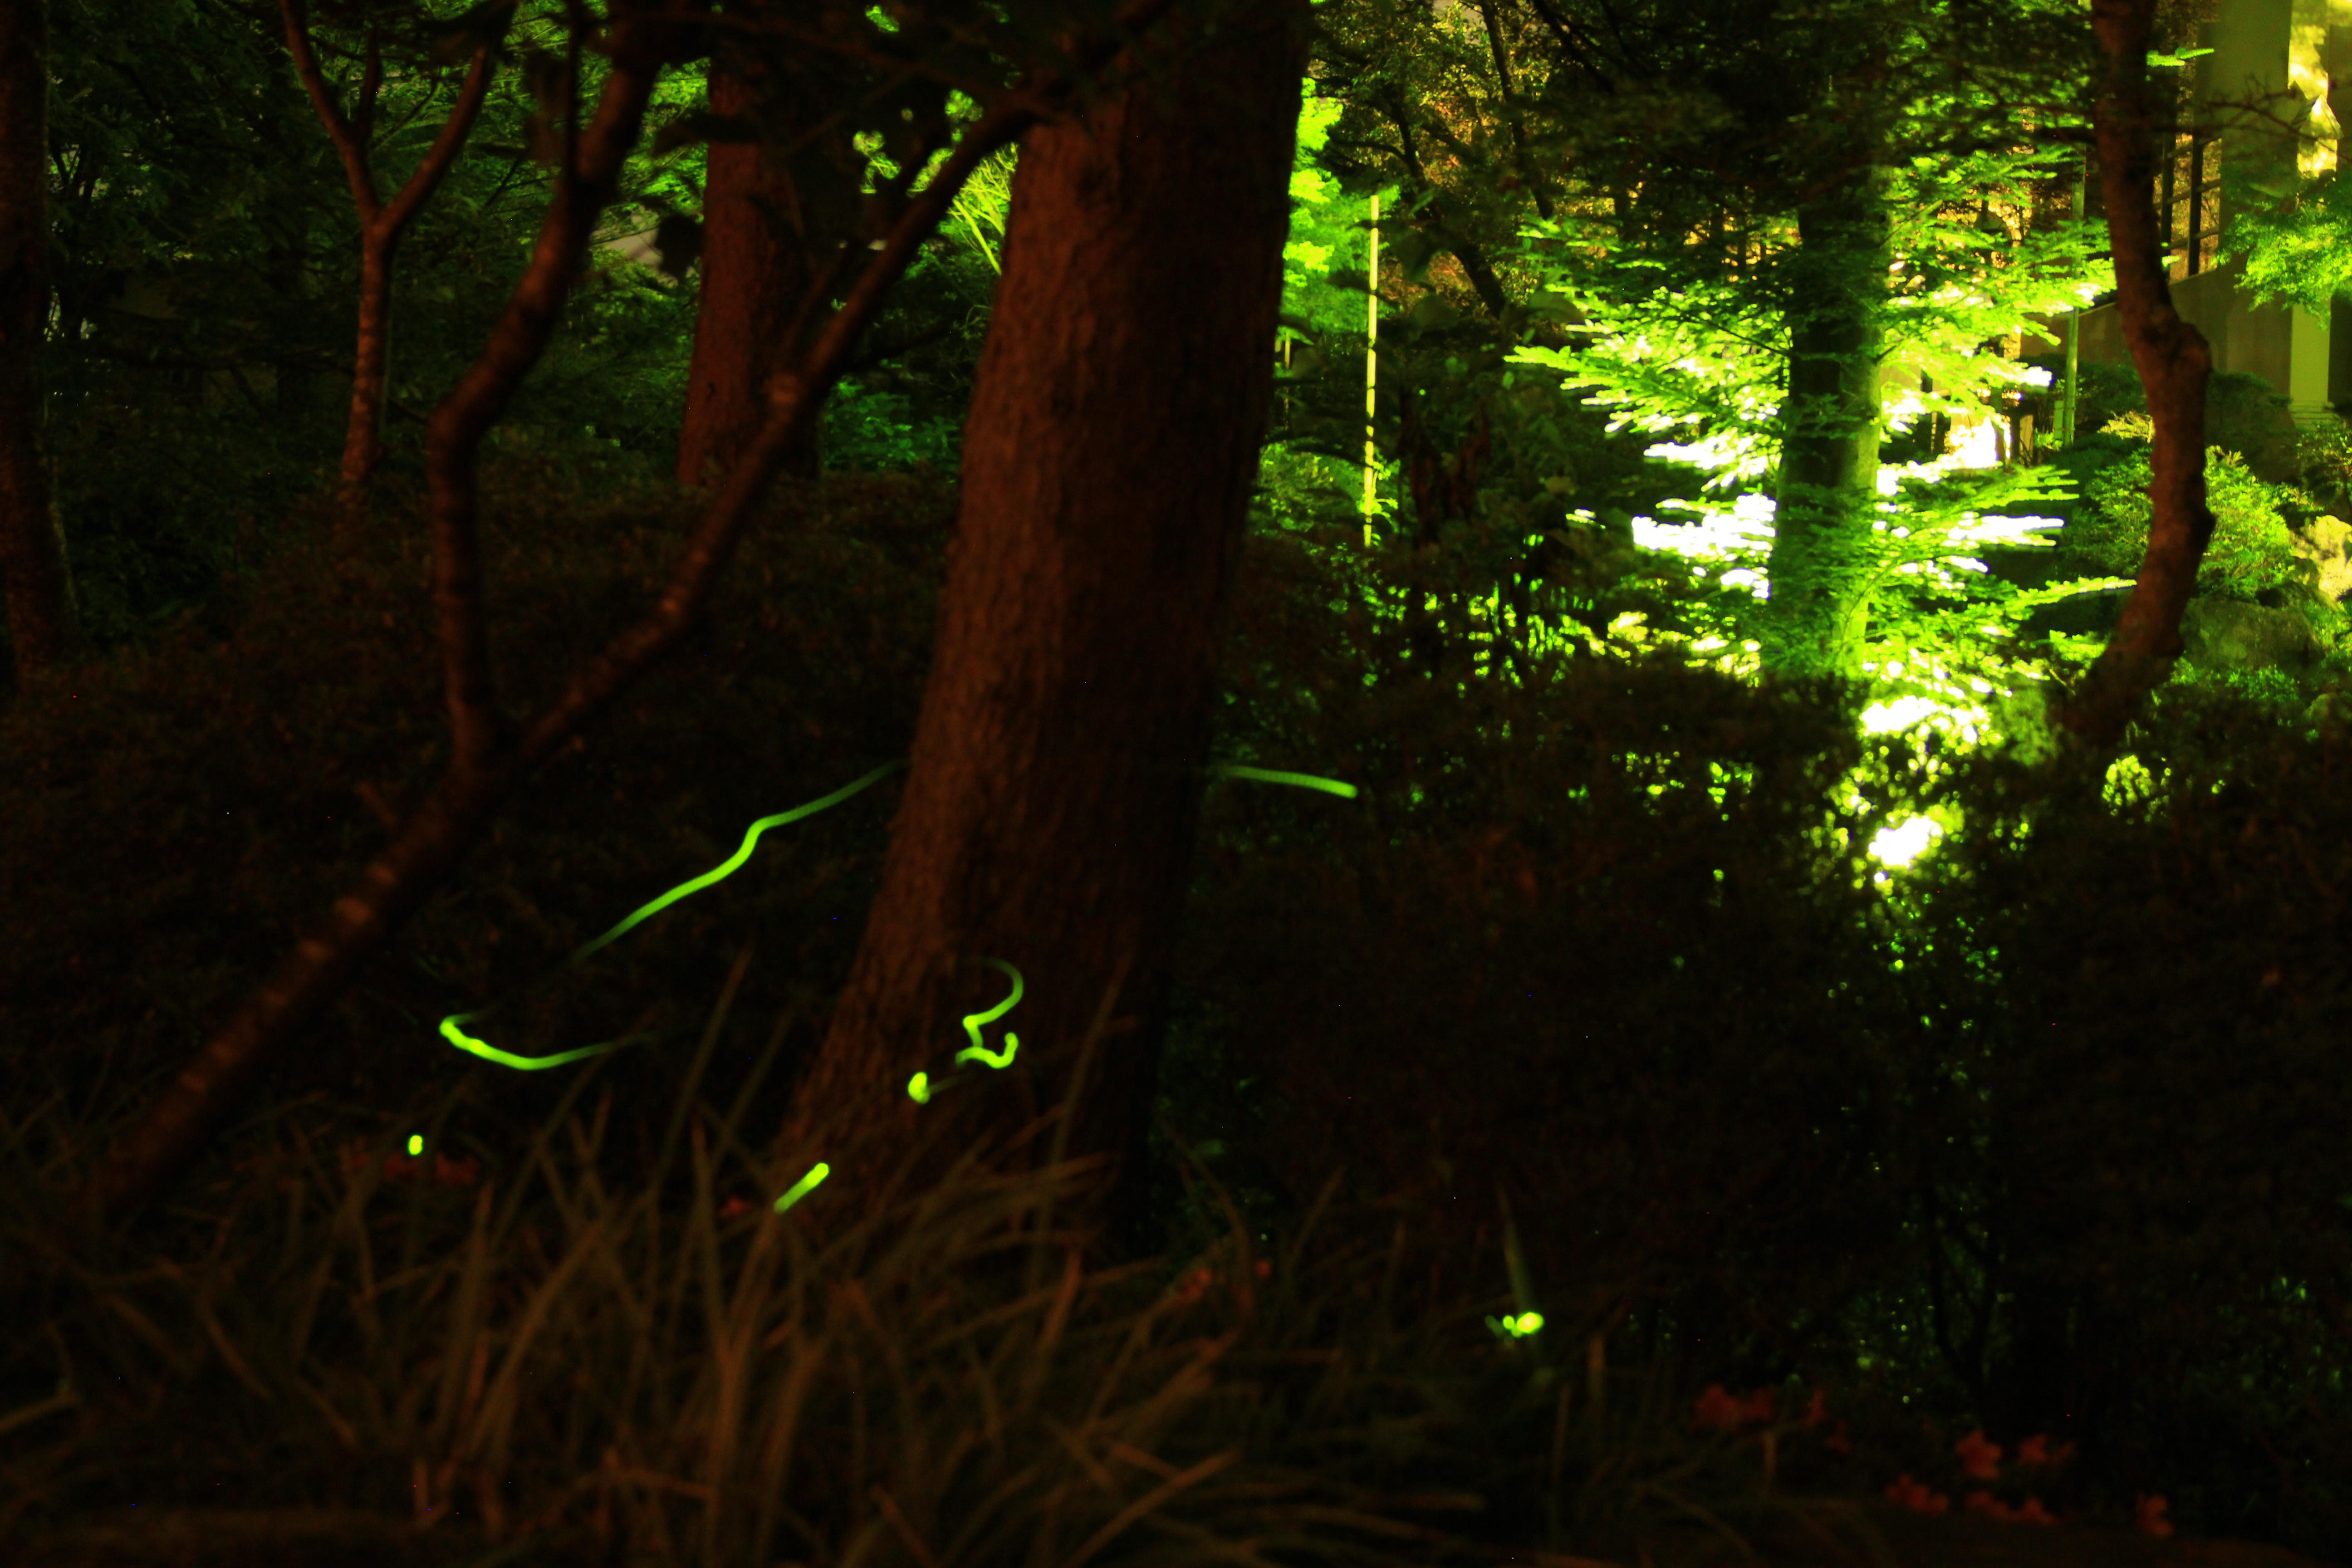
<point>1730,1074</point>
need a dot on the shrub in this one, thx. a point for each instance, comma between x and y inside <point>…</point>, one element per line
<point>2251,553</point>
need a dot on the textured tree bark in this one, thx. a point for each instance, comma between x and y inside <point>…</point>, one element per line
<point>754,278</point>
<point>1113,439</point>
<point>41,621</point>
<point>381,224</point>
<point>1820,560</point>
<point>2174,363</point>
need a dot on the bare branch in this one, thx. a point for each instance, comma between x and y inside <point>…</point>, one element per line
<point>340,131</point>
<point>427,179</point>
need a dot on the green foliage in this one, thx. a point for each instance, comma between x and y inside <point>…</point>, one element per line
<point>2296,241</point>
<point>979,213</point>
<point>1705,358</point>
<point>1324,261</point>
<point>2253,550</point>
<point>868,431</point>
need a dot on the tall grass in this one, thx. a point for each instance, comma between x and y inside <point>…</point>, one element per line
<point>520,1359</point>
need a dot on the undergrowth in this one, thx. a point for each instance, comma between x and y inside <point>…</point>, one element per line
<point>1592,1007</point>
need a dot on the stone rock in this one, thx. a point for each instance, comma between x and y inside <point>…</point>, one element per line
<point>2327,543</point>
<point>2223,633</point>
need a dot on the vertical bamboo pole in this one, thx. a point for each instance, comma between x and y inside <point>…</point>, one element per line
<point>2073,351</point>
<point>1372,368</point>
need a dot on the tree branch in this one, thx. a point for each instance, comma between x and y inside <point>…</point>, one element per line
<point>2174,363</point>
<point>428,174</point>
<point>347,139</point>
<point>454,436</point>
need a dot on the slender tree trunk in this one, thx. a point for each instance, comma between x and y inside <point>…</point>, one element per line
<point>370,362</point>
<point>382,224</point>
<point>41,621</point>
<point>755,278</point>
<point>1822,553</point>
<point>2174,364</point>
<point>1048,815</point>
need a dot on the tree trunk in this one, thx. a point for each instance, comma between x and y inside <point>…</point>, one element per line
<point>41,622</point>
<point>754,278</point>
<point>382,224</point>
<point>1113,440</point>
<point>2174,364</point>
<point>371,363</point>
<point>1820,560</point>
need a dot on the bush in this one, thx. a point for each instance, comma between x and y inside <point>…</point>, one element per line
<point>2253,550</point>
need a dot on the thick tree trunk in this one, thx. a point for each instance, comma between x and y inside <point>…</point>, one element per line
<point>754,278</point>
<point>41,623</point>
<point>2174,364</point>
<point>1821,552</point>
<point>1113,439</point>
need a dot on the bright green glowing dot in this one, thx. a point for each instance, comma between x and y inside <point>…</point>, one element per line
<point>973,1021</point>
<point>919,1089</point>
<point>1516,1328</point>
<point>1268,775</point>
<point>415,1144</point>
<point>1899,845</point>
<point>734,862</point>
<point>804,1186</point>
<point>490,1053</point>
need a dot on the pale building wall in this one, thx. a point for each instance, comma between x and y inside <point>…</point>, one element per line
<point>2260,46</point>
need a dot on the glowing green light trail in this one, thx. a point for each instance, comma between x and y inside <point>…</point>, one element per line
<point>734,862</point>
<point>919,1088</point>
<point>804,1186</point>
<point>973,1021</point>
<point>490,1053</point>
<point>1269,775</point>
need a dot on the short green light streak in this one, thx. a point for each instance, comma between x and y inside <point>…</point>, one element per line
<point>804,1186</point>
<point>1268,775</point>
<point>919,1088</point>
